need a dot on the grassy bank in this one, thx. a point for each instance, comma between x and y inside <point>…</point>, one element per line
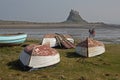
<point>71,67</point>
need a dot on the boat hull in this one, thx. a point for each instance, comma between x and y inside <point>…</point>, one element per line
<point>90,52</point>
<point>53,42</point>
<point>38,61</point>
<point>12,39</point>
<point>90,48</point>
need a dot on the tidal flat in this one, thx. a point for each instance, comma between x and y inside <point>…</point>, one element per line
<point>105,33</point>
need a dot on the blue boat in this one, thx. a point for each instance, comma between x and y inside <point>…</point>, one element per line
<point>12,39</point>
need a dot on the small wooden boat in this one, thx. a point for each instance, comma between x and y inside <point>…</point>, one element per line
<point>38,56</point>
<point>12,39</point>
<point>90,48</point>
<point>64,42</point>
<point>53,40</point>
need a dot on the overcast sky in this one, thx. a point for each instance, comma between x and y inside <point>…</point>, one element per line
<point>107,11</point>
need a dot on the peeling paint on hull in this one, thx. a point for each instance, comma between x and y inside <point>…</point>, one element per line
<point>90,48</point>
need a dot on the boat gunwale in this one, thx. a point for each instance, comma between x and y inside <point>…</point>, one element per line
<point>6,35</point>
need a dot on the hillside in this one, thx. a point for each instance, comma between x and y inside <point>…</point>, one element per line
<point>74,17</point>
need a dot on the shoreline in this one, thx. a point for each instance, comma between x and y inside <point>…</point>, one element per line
<point>38,29</point>
<point>54,25</point>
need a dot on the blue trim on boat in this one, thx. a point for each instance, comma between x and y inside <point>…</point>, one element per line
<point>13,39</point>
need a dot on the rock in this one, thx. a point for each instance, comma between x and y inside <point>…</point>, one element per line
<point>75,17</point>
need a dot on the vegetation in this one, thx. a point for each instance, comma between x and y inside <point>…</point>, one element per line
<point>71,67</point>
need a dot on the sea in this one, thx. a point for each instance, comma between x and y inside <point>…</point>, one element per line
<point>104,34</point>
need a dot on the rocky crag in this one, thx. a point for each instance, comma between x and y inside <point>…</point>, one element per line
<point>74,17</point>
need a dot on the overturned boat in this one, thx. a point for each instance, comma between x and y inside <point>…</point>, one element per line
<point>90,48</point>
<point>12,39</point>
<point>58,40</point>
<point>38,56</point>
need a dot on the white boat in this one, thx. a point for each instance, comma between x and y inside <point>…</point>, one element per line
<point>90,48</point>
<point>52,41</point>
<point>38,56</point>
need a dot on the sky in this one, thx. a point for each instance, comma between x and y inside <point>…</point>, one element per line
<point>106,11</point>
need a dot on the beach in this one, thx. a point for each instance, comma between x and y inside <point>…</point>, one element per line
<point>37,31</point>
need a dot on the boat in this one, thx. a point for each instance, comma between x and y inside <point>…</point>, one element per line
<point>64,42</point>
<point>90,48</point>
<point>55,39</point>
<point>38,56</point>
<point>12,39</point>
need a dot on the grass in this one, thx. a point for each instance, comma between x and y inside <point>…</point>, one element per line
<point>71,67</point>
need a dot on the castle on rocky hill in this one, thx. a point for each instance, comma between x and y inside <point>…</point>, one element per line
<point>74,17</point>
